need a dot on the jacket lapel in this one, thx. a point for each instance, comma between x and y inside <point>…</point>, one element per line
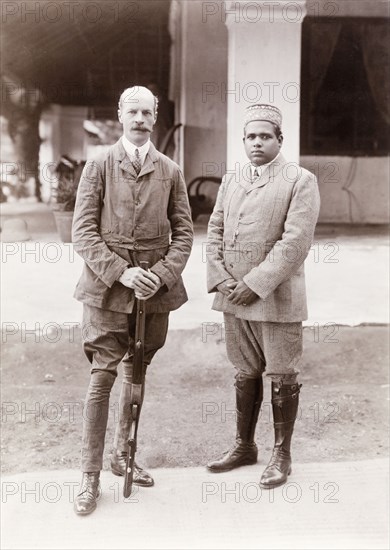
<point>151,158</point>
<point>126,164</point>
<point>262,178</point>
<point>268,173</point>
<point>123,158</point>
<point>246,178</point>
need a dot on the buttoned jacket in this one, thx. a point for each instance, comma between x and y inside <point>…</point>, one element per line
<point>122,219</point>
<point>260,232</point>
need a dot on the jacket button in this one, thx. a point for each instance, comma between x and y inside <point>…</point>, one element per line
<point>231,265</point>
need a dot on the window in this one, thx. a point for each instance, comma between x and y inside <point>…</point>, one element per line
<point>345,87</point>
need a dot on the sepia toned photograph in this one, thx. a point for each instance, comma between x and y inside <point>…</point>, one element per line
<point>194,274</point>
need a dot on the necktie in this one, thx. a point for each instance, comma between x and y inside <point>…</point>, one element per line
<point>137,162</point>
<point>255,175</point>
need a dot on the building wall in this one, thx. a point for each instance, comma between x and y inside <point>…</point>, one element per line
<point>356,193</point>
<point>353,190</point>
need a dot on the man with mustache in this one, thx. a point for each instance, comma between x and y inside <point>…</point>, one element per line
<point>259,235</point>
<point>132,206</point>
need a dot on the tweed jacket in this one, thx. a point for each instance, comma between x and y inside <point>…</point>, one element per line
<point>261,232</point>
<point>121,219</point>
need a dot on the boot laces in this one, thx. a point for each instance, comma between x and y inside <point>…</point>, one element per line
<point>278,454</point>
<point>87,486</point>
<point>239,446</point>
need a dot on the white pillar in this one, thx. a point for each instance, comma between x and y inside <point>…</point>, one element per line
<point>62,133</point>
<point>264,67</point>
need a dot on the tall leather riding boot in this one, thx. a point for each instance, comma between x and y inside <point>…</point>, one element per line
<point>285,401</point>
<point>249,396</point>
<point>119,455</point>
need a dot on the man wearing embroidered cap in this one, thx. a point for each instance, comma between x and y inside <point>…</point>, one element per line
<point>132,206</point>
<point>259,235</point>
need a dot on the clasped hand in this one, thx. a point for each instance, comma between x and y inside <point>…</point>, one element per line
<point>144,283</point>
<point>237,292</point>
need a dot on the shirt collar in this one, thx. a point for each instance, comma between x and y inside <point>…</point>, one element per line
<point>130,149</point>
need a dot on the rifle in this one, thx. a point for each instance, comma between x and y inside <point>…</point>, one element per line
<point>136,390</point>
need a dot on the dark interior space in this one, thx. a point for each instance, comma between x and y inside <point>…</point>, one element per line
<point>345,87</point>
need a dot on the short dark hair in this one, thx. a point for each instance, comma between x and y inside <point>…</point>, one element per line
<point>278,131</point>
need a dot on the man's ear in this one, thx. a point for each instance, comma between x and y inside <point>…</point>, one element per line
<point>280,140</point>
<point>119,115</point>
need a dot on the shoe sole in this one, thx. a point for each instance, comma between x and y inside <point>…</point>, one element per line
<point>117,472</point>
<point>85,513</point>
<point>221,471</point>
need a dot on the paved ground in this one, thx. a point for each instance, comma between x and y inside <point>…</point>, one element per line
<point>336,505</point>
